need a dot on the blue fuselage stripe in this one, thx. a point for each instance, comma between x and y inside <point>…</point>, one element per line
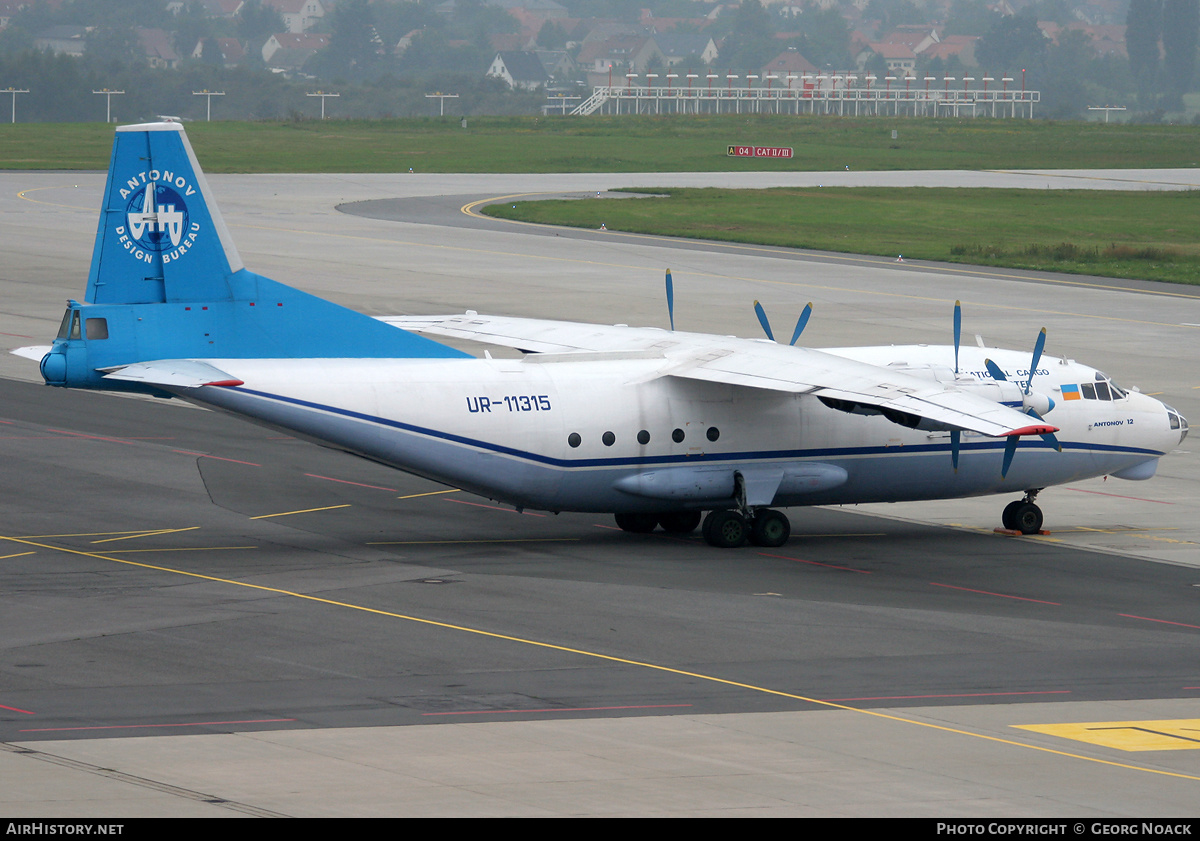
<point>825,452</point>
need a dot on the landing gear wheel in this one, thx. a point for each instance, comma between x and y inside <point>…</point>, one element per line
<point>679,522</point>
<point>725,529</point>
<point>1009,517</point>
<point>1028,518</point>
<point>770,528</point>
<point>637,523</point>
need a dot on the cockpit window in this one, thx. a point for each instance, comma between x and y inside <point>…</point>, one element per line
<point>64,329</point>
<point>1102,389</point>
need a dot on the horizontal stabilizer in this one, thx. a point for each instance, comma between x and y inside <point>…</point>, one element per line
<point>176,373</point>
<point>34,352</point>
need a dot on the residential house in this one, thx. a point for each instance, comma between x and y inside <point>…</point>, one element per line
<point>519,70</point>
<point>157,47</point>
<point>298,15</point>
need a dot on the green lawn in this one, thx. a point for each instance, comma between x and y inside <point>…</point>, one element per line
<point>1148,235</point>
<point>626,144</point>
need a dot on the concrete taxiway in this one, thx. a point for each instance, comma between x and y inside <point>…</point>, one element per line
<point>201,617</point>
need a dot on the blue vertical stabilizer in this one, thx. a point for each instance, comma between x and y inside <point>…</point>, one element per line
<point>166,282</point>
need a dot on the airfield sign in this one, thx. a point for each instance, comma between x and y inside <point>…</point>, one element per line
<point>759,151</point>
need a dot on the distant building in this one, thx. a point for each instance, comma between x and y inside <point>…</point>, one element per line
<point>156,46</point>
<point>298,15</point>
<point>62,40</point>
<point>519,70</point>
<point>230,50</point>
<point>305,42</point>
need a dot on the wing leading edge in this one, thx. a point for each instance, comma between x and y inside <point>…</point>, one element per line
<point>758,364</point>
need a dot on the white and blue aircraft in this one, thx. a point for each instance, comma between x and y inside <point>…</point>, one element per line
<point>651,425</point>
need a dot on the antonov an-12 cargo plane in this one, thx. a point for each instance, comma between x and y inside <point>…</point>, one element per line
<point>654,426</point>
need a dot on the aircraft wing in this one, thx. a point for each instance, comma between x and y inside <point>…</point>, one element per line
<point>805,371</point>
<point>749,363</point>
<point>531,334</point>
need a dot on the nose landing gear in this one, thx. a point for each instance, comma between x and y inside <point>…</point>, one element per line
<point>1023,515</point>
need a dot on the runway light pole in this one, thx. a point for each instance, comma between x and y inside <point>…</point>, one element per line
<point>441,97</point>
<point>208,95</point>
<point>13,91</point>
<point>105,92</point>
<point>323,97</point>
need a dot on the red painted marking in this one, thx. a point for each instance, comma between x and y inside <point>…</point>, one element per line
<point>16,710</point>
<point>358,484</point>
<point>815,563</point>
<point>568,709</point>
<point>494,508</point>
<point>90,437</point>
<point>960,695</point>
<point>218,458</point>
<point>1163,621</point>
<point>227,383</point>
<point>1118,496</point>
<point>989,593</point>
<point>133,726</point>
<point>1036,429</point>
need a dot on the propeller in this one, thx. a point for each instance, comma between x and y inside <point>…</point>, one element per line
<point>1012,441</point>
<point>801,322</point>
<point>957,338</point>
<point>670,299</point>
<point>956,434</point>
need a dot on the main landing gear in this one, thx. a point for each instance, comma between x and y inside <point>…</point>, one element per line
<point>1022,515</point>
<point>724,529</point>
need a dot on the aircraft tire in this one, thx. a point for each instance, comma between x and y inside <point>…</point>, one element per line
<point>770,528</point>
<point>679,522</point>
<point>1009,517</point>
<point>637,523</point>
<point>1028,518</point>
<point>726,529</point>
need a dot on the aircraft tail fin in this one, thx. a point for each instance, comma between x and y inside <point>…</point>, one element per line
<point>161,236</point>
<point>166,283</point>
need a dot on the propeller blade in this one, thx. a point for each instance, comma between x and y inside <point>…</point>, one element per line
<point>994,370</point>
<point>957,332</point>
<point>1038,347</point>
<point>801,322</point>
<point>955,441</point>
<point>670,299</point>
<point>1048,437</point>
<point>762,319</point>
<point>1010,449</point>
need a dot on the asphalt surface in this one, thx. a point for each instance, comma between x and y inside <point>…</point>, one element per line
<point>204,617</point>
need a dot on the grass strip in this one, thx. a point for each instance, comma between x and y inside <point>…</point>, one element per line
<point>627,144</point>
<point>1147,235</point>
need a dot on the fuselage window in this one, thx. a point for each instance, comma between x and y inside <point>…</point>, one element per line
<point>677,436</point>
<point>608,438</point>
<point>643,437</point>
<point>713,433</point>
<point>574,440</point>
<point>97,328</point>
